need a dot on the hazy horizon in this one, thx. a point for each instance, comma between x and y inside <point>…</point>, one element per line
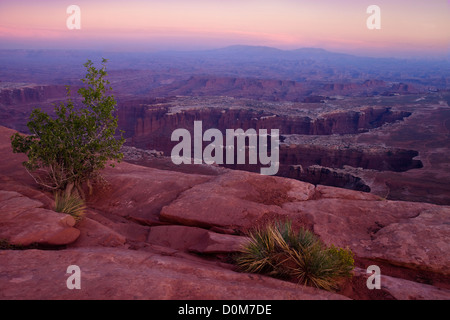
<point>409,29</point>
<point>182,51</point>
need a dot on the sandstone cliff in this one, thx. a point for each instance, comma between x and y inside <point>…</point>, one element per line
<point>31,94</point>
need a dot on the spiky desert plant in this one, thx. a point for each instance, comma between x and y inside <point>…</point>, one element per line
<point>70,204</point>
<point>313,266</point>
<point>279,251</point>
<point>258,254</point>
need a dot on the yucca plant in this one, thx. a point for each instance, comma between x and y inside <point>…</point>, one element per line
<point>259,255</point>
<point>279,251</point>
<point>70,204</point>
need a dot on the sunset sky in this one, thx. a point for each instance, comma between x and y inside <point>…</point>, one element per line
<point>408,27</point>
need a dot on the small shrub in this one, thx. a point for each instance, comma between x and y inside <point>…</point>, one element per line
<point>343,261</point>
<point>70,204</point>
<point>277,250</point>
<point>70,147</point>
<point>6,245</point>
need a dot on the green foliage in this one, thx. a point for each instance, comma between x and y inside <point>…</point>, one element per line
<point>71,148</point>
<point>277,250</point>
<point>343,261</point>
<point>70,204</point>
<point>5,244</point>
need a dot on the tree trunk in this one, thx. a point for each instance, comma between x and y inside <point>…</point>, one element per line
<point>89,185</point>
<point>79,188</point>
<point>68,190</point>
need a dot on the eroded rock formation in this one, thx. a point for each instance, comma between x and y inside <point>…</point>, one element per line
<point>153,234</point>
<point>151,127</point>
<point>144,123</point>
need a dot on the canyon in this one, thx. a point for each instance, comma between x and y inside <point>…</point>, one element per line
<point>161,234</point>
<point>321,143</point>
<point>151,128</point>
<point>363,154</point>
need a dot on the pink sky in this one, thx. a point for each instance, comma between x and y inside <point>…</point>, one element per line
<point>408,27</point>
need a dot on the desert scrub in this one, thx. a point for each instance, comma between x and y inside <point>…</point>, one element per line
<point>69,148</point>
<point>5,244</point>
<point>277,250</point>
<point>70,204</point>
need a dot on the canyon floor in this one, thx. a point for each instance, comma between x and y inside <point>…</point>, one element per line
<point>161,234</point>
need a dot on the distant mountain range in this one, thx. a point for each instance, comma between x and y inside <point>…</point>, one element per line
<point>305,64</point>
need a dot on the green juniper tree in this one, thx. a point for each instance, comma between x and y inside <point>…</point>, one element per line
<point>70,149</point>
